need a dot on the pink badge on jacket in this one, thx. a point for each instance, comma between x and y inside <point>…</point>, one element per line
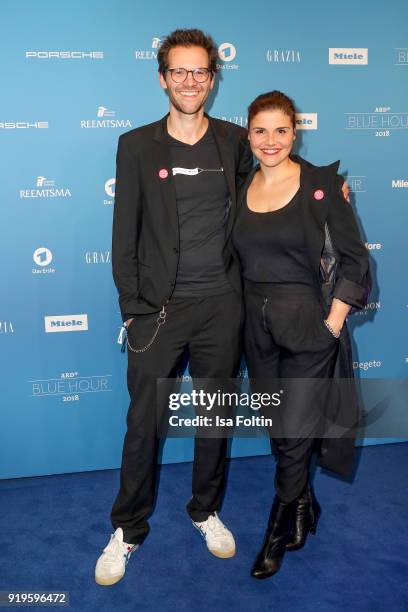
<point>318,194</point>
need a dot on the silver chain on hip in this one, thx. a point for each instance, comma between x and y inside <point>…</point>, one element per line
<point>161,319</point>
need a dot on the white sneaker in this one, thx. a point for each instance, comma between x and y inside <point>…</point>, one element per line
<point>111,565</point>
<point>220,541</point>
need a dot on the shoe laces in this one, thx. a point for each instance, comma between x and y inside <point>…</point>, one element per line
<point>216,527</point>
<point>116,548</point>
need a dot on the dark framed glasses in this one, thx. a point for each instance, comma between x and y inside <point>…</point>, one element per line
<point>179,75</point>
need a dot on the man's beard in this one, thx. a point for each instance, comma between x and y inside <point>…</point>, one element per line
<point>178,107</point>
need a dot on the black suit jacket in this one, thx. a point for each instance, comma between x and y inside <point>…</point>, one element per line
<point>145,240</point>
<point>322,204</point>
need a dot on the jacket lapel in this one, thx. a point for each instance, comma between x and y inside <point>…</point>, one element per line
<point>162,162</point>
<point>162,165</point>
<point>314,197</point>
<point>226,153</point>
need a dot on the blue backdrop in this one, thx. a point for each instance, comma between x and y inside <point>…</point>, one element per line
<point>74,77</point>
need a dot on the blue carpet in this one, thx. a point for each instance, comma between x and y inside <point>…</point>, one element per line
<point>53,528</point>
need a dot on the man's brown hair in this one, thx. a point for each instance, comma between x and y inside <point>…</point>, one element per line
<point>187,38</point>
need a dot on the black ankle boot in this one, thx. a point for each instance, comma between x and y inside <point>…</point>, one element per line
<point>307,514</point>
<point>280,526</point>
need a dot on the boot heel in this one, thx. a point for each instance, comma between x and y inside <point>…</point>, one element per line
<point>280,525</point>
<point>306,518</point>
<point>314,520</point>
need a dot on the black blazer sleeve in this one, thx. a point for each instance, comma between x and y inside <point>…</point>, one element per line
<point>353,275</point>
<point>127,211</point>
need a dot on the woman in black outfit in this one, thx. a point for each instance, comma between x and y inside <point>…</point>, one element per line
<point>296,238</point>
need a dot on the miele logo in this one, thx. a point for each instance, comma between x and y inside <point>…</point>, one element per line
<point>306,121</point>
<point>66,323</point>
<point>64,55</point>
<point>23,125</point>
<point>357,56</point>
<point>399,184</point>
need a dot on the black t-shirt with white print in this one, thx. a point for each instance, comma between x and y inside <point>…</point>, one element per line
<point>202,202</point>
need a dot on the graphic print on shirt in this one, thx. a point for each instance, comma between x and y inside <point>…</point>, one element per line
<point>194,171</point>
<point>203,201</point>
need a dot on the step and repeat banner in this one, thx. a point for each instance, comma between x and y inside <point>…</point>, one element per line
<point>75,76</point>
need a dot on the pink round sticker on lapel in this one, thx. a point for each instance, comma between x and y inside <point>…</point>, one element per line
<point>163,173</point>
<point>318,194</point>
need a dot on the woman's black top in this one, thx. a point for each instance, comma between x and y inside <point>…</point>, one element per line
<point>271,245</point>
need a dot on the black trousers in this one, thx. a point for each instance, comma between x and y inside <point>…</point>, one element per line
<point>210,329</point>
<point>285,338</point>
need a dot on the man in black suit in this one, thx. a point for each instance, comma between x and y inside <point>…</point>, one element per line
<point>179,284</point>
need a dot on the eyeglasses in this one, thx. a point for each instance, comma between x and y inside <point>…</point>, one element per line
<point>179,75</point>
